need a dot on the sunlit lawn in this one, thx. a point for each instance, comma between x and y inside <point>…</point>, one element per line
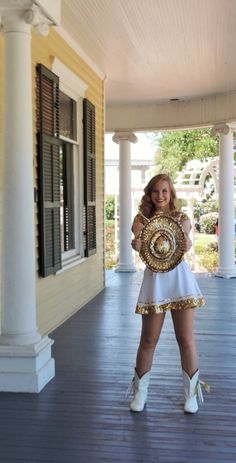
<point>201,240</point>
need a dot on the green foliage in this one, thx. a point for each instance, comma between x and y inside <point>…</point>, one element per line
<point>212,247</point>
<point>175,149</point>
<point>111,259</point>
<point>206,252</point>
<point>204,207</point>
<point>110,207</point>
<point>208,260</point>
<point>208,222</point>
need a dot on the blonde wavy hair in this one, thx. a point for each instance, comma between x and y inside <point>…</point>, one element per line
<point>146,206</point>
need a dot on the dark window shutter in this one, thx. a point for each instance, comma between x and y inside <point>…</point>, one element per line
<point>89,177</point>
<point>48,170</point>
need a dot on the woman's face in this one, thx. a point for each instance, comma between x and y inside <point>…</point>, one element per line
<point>160,195</point>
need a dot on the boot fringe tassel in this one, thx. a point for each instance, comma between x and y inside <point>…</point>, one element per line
<point>201,385</point>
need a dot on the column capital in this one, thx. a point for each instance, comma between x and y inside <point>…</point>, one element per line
<point>129,136</point>
<point>17,16</point>
<point>35,18</point>
<point>223,128</point>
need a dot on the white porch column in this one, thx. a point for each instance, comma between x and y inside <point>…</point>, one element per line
<point>125,263</point>
<point>226,267</point>
<point>25,357</point>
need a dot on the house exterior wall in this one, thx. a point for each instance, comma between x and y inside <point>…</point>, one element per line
<point>60,295</point>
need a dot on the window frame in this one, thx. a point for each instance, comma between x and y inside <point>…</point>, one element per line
<point>75,88</point>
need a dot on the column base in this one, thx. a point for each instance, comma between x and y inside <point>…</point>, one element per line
<point>125,268</point>
<point>26,368</point>
<point>225,273</point>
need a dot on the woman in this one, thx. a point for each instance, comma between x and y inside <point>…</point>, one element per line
<point>176,290</point>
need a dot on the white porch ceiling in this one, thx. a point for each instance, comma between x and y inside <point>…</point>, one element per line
<point>152,51</point>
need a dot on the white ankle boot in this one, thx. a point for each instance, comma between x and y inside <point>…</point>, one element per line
<point>192,388</point>
<point>140,389</point>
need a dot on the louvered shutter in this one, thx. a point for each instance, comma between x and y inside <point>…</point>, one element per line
<point>89,177</point>
<point>48,170</point>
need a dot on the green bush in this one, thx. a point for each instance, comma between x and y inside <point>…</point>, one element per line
<point>208,222</point>
<point>206,252</point>
<point>111,259</point>
<point>208,260</point>
<point>212,247</point>
<point>110,207</point>
<point>110,262</point>
<point>204,207</point>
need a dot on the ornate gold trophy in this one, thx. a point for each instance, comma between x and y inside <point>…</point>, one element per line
<point>162,243</point>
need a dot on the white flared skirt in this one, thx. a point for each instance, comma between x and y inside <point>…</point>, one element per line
<point>173,290</point>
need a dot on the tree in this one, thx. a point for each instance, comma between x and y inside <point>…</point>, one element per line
<point>175,149</point>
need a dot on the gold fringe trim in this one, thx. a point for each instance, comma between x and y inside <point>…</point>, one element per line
<point>190,303</point>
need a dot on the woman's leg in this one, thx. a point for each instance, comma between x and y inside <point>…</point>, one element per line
<point>183,325</point>
<point>151,330</point>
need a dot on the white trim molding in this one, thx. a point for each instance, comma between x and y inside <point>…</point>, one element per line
<point>51,8</point>
<point>175,115</point>
<point>76,86</point>
<point>26,368</point>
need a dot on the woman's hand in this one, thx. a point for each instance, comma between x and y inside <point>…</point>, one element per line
<point>136,244</point>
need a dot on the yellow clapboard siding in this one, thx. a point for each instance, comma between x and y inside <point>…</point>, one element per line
<point>53,319</point>
<point>59,296</point>
<point>89,283</point>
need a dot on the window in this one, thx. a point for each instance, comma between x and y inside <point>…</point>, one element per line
<point>68,116</point>
<point>68,130</point>
<point>67,170</point>
<point>67,197</point>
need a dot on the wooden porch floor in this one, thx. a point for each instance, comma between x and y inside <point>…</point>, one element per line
<point>82,416</point>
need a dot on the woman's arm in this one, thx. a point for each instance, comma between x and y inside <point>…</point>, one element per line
<point>136,229</point>
<point>186,226</point>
